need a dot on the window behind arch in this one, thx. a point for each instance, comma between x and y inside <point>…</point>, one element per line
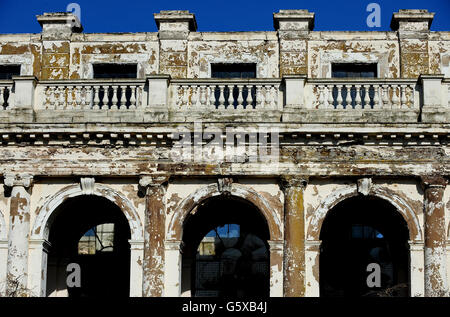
<point>97,239</point>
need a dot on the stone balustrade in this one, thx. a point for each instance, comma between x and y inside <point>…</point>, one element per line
<point>90,94</point>
<point>349,93</point>
<point>161,99</point>
<point>220,94</point>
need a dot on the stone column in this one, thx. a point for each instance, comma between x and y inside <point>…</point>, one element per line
<point>417,268</point>
<point>173,269</point>
<point>154,235</point>
<point>294,235</point>
<point>435,237</point>
<point>19,227</point>
<point>276,268</point>
<point>136,267</point>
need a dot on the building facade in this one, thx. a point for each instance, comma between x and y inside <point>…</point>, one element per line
<point>181,163</point>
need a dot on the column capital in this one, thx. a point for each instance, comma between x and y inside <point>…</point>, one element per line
<point>433,181</point>
<point>287,181</point>
<point>12,180</point>
<point>152,181</point>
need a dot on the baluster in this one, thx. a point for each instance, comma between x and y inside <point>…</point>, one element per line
<point>104,97</point>
<point>52,98</point>
<point>385,97</point>
<point>133,99</point>
<point>395,98</point>
<point>259,97</point>
<point>366,96</point>
<point>339,97</point>
<point>240,99</point>
<point>122,100</point>
<point>410,95</point>
<point>330,95</point>
<point>273,97</point>
<point>249,97</point>
<point>376,97</point>
<point>86,100</point>
<point>178,95</point>
<point>203,96</point>
<point>321,96</point>
<point>207,95</point>
<point>2,98</point>
<point>358,100</point>
<point>62,97</point>
<point>221,97</point>
<point>96,98</point>
<point>68,97</point>
<point>230,97</point>
<point>185,101</point>
<point>403,96</point>
<point>46,97</point>
<point>195,96</point>
<point>212,95</point>
<point>348,97</point>
<point>114,98</point>
<point>76,96</point>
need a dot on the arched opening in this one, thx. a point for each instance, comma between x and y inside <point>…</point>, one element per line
<point>92,232</point>
<point>225,250</point>
<point>355,233</point>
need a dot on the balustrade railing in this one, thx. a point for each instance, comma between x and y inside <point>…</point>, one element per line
<point>245,94</point>
<point>350,94</point>
<point>6,94</point>
<point>91,94</point>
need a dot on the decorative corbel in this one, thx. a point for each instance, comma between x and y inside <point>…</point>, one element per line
<point>364,185</point>
<point>87,185</point>
<point>11,180</point>
<point>224,185</point>
<point>146,181</point>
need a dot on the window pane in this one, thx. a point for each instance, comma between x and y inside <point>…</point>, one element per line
<point>233,70</point>
<point>354,70</point>
<point>115,70</point>
<point>7,71</point>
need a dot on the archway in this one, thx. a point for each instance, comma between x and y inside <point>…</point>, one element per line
<point>92,232</point>
<point>225,249</point>
<point>355,233</point>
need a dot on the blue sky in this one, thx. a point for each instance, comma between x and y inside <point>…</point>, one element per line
<point>18,16</point>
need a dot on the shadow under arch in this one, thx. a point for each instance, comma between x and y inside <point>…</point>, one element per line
<point>3,229</point>
<point>217,263</point>
<point>45,212</point>
<point>91,232</point>
<point>338,196</point>
<point>358,232</point>
<point>185,207</point>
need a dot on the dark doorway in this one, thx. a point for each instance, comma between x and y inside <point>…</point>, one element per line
<point>225,250</point>
<point>92,232</point>
<point>355,233</point>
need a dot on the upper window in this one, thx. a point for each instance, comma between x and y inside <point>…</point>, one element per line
<point>115,70</point>
<point>343,70</point>
<point>233,70</point>
<point>7,71</point>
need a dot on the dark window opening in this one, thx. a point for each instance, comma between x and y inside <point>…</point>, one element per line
<point>358,232</point>
<point>115,70</point>
<point>225,252</point>
<point>8,71</point>
<point>92,232</point>
<point>233,70</point>
<point>345,70</point>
